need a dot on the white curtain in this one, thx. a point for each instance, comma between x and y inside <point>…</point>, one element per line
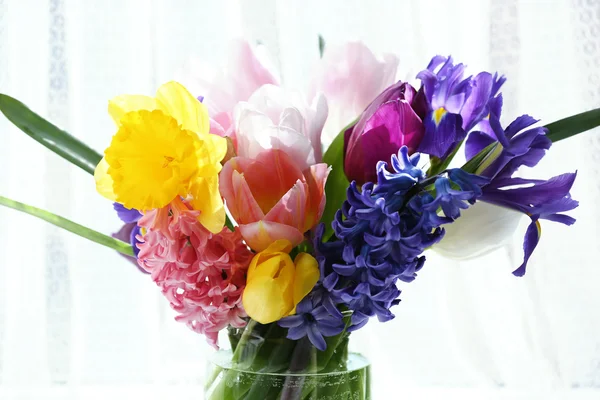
<point>79,322</point>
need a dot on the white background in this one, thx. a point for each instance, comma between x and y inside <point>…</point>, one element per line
<point>79,322</point>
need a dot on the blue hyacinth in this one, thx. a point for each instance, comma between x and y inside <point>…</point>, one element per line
<point>316,317</point>
<point>381,232</point>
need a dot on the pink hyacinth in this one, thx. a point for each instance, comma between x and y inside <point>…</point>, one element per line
<point>201,274</point>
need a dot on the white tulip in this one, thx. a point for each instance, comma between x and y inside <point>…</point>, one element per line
<point>481,229</point>
<point>274,118</point>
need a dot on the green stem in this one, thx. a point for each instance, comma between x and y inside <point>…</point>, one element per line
<point>223,391</point>
<point>246,335</point>
<point>94,236</point>
<point>437,165</point>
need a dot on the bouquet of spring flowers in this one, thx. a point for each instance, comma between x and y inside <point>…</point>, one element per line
<point>251,226</point>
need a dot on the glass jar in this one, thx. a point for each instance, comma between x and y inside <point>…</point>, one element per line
<point>264,365</point>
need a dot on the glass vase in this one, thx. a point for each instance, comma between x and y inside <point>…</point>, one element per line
<point>264,365</point>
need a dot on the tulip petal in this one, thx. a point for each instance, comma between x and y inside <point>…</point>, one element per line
<point>249,128</point>
<point>236,192</point>
<point>306,276</point>
<point>273,190</point>
<point>121,105</point>
<point>259,235</point>
<point>317,122</point>
<point>397,124</point>
<point>274,118</point>
<point>316,178</point>
<point>290,209</point>
<point>176,101</point>
<point>291,118</point>
<point>285,280</point>
<point>336,77</point>
<point>293,143</point>
<point>258,132</point>
<point>251,72</point>
<point>246,208</point>
<point>104,182</point>
<point>269,266</point>
<point>481,229</point>
<point>280,245</point>
<point>268,295</point>
<point>273,250</point>
<point>270,177</point>
<point>388,123</point>
<point>254,264</point>
<point>264,301</point>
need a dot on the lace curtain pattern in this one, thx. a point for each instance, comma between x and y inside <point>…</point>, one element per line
<point>79,322</point>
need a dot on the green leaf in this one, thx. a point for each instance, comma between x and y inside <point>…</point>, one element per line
<point>474,163</point>
<point>337,183</point>
<point>437,165</point>
<point>94,236</point>
<point>573,125</point>
<point>57,140</point>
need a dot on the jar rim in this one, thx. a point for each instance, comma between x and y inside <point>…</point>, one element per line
<point>356,362</point>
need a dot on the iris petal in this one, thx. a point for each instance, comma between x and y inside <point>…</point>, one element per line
<point>440,139</point>
<point>532,237</point>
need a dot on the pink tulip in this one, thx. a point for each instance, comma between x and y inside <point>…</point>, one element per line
<point>221,90</point>
<point>271,198</point>
<point>350,76</point>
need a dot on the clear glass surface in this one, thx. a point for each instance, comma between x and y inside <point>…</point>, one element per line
<point>228,381</point>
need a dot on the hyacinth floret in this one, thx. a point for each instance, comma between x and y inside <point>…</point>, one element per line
<point>382,230</point>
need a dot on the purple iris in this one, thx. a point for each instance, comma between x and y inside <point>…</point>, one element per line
<point>316,317</point>
<point>455,105</point>
<point>539,199</point>
<point>127,215</point>
<point>130,230</point>
<point>128,233</point>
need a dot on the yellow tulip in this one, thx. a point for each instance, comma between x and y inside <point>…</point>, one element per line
<point>162,150</point>
<point>276,284</point>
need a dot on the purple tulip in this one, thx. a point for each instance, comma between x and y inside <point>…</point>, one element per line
<point>387,124</point>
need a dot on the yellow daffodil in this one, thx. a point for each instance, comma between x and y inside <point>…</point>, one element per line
<point>163,149</point>
<point>276,284</point>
